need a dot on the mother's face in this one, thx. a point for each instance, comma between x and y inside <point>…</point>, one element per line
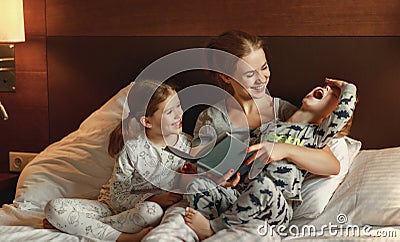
<point>252,74</point>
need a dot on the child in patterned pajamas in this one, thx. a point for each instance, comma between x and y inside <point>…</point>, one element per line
<point>131,202</point>
<point>270,196</point>
<point>286,175</point>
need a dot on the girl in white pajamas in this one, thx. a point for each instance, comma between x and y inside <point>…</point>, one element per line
<point>131,202</point>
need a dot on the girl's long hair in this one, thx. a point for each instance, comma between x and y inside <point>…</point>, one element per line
<point>143,100</point>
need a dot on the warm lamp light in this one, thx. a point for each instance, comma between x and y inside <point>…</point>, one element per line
<point>11,21</point>
<point>11,31</point>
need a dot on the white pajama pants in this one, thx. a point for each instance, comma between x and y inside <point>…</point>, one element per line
<point>95,219</point>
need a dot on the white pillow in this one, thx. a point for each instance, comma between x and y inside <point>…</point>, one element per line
<point>76,166</point>
<point>316,190</point>
<point>369,195</point>
<point>354,147</point>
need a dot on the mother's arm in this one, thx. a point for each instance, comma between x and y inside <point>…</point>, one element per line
<point>316,161</point>
<point>210,123</point>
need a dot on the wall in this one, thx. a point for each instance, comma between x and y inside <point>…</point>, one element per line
<point>208,18</point>
<point>29,128</point>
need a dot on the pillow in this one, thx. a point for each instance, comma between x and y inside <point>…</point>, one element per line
<point>317,190</point>
<point>76,166</point>
<point>369,195</point>
<point>354,147</point>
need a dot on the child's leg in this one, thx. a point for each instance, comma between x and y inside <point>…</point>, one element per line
<point>261,202</point>
<point>286,176</point>
<point>135,219</point>
<point>208,198</point>
<point>80,217</point>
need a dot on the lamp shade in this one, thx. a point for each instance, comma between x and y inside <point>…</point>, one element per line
<point>11,21</point>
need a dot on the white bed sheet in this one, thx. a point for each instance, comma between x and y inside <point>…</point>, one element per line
<point>26,225</point>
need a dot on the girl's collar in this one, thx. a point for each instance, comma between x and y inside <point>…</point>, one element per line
<point>178,140</point>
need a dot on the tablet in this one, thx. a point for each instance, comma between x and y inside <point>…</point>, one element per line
<point>228,153</point>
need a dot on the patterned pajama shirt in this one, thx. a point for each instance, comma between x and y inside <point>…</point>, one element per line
<point>285,174</point>
<point>259,199</point>
<point>270,196</point>
<point>140,171</point>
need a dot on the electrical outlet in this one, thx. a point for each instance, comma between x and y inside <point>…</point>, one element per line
<point>18,160</point>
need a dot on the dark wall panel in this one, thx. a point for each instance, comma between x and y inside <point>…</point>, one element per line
<point>373,63</point>
<point>84,72</point>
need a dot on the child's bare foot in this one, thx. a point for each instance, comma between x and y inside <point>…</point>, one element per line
<point>136,237</point>
<point>47,224</point>
<point>200,224</point>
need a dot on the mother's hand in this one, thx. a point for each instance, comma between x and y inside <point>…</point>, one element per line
<point>267,152</point>
<point>316,161</point>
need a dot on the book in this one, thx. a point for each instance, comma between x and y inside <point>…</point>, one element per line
<point>218,155</point>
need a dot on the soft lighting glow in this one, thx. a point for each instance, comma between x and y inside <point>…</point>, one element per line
<point>11,21</point>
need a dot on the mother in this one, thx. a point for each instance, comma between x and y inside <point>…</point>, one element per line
<point>247,110</point>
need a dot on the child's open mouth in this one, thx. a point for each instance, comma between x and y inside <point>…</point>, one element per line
<point>318,94</point>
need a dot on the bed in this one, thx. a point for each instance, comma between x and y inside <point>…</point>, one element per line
<point>361,203</point>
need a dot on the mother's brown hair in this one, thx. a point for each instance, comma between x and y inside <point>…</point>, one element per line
<point>235,42</point>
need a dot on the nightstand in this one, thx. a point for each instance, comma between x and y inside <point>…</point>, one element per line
<point>8,183</point>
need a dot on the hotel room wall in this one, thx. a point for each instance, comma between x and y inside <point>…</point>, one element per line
<point>27,128</point>
<point>54,93</point>
<point>297,65</point>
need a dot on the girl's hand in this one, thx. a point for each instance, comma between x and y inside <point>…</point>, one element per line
<point>267,152</point>
<point>189,168</point>
<point>232,183</point>
<point>223,181</point>
<point>166,199</point>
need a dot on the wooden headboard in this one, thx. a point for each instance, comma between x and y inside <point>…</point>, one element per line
<point>84,72</point>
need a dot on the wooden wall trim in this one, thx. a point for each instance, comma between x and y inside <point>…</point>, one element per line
<point>209,17</point>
